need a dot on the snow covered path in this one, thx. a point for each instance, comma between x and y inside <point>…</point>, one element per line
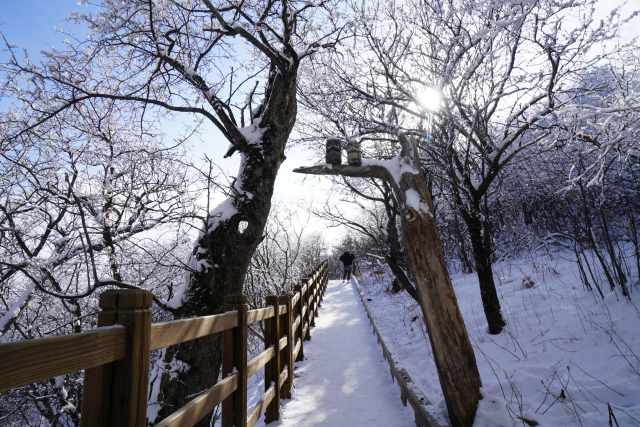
<point>343,381</point>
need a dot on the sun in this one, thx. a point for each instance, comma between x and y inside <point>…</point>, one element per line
<point>430,99</point>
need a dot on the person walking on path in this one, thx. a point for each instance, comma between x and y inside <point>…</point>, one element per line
<point>347,260</point>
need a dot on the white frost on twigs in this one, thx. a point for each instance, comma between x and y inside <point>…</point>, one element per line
<point>14,310</point>
<point>59,381</point>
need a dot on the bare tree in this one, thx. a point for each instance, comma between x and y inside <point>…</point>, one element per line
<point>277,263</point>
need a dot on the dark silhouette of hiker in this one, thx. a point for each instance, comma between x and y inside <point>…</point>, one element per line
<point>347,260</point>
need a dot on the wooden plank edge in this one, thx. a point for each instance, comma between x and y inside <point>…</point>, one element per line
<point>196,409</point>
<point>31,361</point>
<point>254,316</point>
<point>259,361</point>
<point>166,334</point>
<point>297,349</point>
<point>409,394</point>
<point>261,406</point>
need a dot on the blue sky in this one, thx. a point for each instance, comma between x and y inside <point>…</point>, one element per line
<point>29,23</point>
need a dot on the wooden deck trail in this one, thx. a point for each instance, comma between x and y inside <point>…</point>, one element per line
<point>343,381</point>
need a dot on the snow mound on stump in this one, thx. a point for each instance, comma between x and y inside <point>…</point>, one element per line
<point>492,412</point>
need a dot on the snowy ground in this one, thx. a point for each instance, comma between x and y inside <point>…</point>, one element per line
<point>343,381</point>
<point>564,355</point>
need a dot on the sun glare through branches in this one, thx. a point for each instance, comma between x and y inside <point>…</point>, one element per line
<point>430,98</point>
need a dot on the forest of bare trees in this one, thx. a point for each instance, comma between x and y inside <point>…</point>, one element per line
<point>525,115</point>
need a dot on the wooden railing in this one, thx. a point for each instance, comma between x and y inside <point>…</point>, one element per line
<point>115,356</point>
<point>409,392</point>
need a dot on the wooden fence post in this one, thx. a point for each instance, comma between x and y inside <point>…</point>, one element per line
<point>288,351</point>
<point>272,369</point>
<point>319,296</point>
<point>227,368</point>
<point>312,301</point>
<point>234,355</point>
<point>298,333</point>
<point>307,301</point>
<point>320,286</point>
<point>116,394</point>
<point>325,276</point>
<point>323,280</point>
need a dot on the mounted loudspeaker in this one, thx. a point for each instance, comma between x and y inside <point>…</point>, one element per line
<point>334,156</point>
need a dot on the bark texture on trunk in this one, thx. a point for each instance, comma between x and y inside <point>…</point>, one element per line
<point>455,359</point>
<point>224,252</point>
<point>453,353</point>
<point>467,266</point>
<point>481,244</point>
<point>400,275</point>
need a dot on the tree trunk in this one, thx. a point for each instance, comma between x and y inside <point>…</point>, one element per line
<point>454,356</point>
<point>402,278</point>
<point>222,255</point>
<point>467,265</point>
<point>396,255</point>
<point>481,243</point>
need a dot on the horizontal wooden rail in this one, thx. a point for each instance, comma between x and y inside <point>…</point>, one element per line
<point>283,377</point>
<point>259,361</point>
<point>206,402</point>
<point>297,349</point>
<point>261,406</point>
<point>179,331</point>
<point>254,316</point>
<point>30,361</point>
<point>282,343</point>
